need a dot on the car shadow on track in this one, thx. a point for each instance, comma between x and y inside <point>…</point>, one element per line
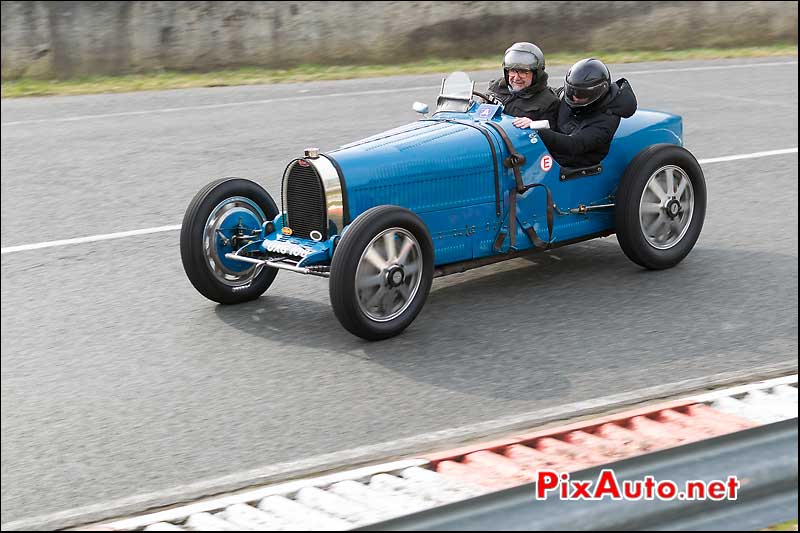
<point>524,329</point>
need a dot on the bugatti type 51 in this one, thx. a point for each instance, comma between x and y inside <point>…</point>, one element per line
<point>459,188</point>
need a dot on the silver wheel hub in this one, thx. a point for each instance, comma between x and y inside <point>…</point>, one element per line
<point>673,208</point>
<point>395,276</point>
<point>388,275</point>
<point>666,207</point>
<point>230,217</point>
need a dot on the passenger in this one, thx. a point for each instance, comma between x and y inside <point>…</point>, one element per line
<point>523,89</point>
<point>589,114</point>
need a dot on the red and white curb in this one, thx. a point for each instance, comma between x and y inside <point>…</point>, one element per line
<point>372,494</point>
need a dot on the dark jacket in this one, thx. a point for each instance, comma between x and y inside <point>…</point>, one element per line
<point>582,136</point>
<point>537,102</point>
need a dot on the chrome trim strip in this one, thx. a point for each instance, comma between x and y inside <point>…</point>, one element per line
<point>334,197</point>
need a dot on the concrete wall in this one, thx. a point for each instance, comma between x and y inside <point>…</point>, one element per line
<point>73,39</point>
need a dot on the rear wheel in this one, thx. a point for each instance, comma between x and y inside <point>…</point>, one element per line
<point>661,205</point>
<point>216,222</point>
<point>381,272</point>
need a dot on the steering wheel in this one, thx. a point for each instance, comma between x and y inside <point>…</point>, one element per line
<point>487,98</point>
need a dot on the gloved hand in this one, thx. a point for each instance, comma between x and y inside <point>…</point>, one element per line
<point>525,122</point>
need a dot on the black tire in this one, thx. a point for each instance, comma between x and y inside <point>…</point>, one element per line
<point>383,226</point>
<point>221,286</point>
<point>678,222</point>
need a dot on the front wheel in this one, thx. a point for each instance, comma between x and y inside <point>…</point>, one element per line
<point>381,272</point>
<point>218,221</point>
<point>661,206</point>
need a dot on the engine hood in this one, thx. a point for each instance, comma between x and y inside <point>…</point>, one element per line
<point>425,166</point>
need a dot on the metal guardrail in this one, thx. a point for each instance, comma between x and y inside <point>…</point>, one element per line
<point>764,459</point>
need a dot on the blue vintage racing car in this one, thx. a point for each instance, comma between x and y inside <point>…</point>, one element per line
<point>461,188</point>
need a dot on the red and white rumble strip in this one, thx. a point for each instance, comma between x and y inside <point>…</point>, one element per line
<point>372,494</point>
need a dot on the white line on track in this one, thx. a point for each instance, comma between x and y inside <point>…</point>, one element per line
<point>336,95</point>
<point>747,156</point>
<point>715,67</point>
<point>161,229</point>
<point>212,106</point>
<point>92,238</point>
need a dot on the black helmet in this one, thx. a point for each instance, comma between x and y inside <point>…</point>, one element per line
<point>524,56</point>
<point>587,81</point>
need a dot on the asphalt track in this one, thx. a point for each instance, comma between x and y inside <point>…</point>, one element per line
<point>119,379</point>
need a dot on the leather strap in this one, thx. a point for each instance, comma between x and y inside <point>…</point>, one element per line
<point>514,161</point>
<point>512,218</point>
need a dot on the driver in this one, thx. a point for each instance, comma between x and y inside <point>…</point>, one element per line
<point>523,89</point>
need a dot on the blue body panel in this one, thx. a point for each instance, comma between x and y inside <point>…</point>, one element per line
<point>445,172</point>
<point>308,252</point>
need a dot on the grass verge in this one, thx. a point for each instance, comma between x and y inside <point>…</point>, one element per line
<point>786,526</point>
<point>257,76</point>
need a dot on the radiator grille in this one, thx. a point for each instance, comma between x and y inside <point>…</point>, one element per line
<point>304,201</point>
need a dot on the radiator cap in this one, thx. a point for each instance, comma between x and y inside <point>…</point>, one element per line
<point>311,153</point>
